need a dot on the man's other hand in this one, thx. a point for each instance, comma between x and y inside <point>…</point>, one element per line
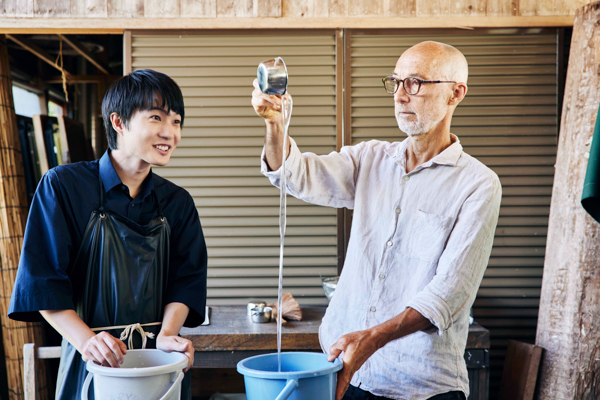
<point>267,106</point>
<point>357,348</point>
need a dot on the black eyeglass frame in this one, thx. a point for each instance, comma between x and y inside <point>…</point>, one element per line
<point>398,80</point>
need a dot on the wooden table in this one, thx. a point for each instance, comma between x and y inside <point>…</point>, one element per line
<point>232,336</point>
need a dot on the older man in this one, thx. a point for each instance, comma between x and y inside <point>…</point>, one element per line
<point>424,219</point>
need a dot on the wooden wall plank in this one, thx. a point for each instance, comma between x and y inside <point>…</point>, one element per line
<point>234,8</point>
<point>569,7</point>
<point>400,8</point>
<point>266,8</point>
<point>527,7</point>
<point>338,8</point>
<point>285,8</point>
<point>467,8</point>
<point>305,8</point>
<point>433,8</point>
<point>199,9</point>
<point>545,7</point>
<point>125,8</point>
<point>16,8</point>
<point>501,8</point>
<point>365,8</point>
<point>89,8</point>
<point>161,9</point>
<point>51,8</point>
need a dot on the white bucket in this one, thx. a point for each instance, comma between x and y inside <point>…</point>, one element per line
<point>144,375</point>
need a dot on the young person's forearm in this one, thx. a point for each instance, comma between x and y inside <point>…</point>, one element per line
<point>69,325</point>
<point>174,317</point>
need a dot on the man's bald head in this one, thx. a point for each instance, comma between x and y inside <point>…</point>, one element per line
<point>445,61</point>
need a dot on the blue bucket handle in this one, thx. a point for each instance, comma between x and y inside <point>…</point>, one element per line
<point>287,391</point>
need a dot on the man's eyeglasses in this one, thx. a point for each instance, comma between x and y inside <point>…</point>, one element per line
<point>411,84</point>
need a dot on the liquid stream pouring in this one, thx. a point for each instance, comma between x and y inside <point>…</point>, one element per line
<point>273,80</point>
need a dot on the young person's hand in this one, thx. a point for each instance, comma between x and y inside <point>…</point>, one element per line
<point>176,343</point>
<point>104,349</point>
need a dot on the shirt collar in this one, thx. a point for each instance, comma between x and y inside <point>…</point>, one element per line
<point>110,178</point>
<point>449,156</point>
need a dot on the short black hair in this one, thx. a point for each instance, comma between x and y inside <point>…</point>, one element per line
<point>140,90</point>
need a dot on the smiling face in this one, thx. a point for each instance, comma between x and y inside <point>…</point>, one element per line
<point>431,107</point>
<point>150,136</point>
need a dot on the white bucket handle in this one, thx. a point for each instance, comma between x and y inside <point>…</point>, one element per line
<point>174,386</point>
<point>287,391</point>
<point>90,375</point>
<point>86,386</point>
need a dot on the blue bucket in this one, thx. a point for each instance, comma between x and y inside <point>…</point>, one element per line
<point>303,376</point>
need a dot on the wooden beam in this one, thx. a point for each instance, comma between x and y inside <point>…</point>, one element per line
<point>35,50</point>
<point>119,25</point>
<point>84,53</point>
<point>569,315</point>
<point>127,56</point>
<point>83,79</point>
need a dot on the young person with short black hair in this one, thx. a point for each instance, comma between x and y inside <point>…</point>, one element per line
<point>109,244</point>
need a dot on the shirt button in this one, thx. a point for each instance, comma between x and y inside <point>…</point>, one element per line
<point>398,211</point>
<point>373,309</point>
<point>406,178</point>
<point>133,205</point>
<point>382,276</point>
<point>122,187</point>
<point>389,243</point>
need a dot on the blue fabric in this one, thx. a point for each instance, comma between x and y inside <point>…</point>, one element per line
<point>59,214</point>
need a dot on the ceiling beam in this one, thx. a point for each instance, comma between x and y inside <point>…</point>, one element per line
<point>83,79</point>
<point>119,25</point>
<point>85,54</point>
<point>38,52</point>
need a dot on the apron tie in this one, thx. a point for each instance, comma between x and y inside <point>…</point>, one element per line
<point>128,332</point>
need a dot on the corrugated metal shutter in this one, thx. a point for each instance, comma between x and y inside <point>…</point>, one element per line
<point>218,159</point>
<point>509,122</point>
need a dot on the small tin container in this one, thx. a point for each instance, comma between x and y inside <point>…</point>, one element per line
<point>261,315</point>
<point>251,305</point>
<point>272,76</point>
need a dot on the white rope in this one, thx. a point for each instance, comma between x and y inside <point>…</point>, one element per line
<point>128,332</point>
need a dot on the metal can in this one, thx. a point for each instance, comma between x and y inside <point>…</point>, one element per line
<point>258,304</point>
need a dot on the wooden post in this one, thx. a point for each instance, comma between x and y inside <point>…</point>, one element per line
<point>13,215</point>
<point>569,316</point>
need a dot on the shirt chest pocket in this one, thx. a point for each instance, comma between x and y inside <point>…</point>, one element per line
<point>428,235</point>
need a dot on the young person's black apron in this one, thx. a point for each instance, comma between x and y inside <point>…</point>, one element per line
<point>125,267</point>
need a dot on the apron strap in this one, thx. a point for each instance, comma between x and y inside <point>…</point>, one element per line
<point>101,208</point>
<point>128,332</point>
<point>158,207</point>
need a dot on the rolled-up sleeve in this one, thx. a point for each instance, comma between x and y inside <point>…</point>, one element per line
<point>188,265</point>
<point>463,261</point>
<point>328,180</point>
<point>42,281</point>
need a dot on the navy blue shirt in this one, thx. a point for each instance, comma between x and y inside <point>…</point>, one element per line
<point>61,208</point>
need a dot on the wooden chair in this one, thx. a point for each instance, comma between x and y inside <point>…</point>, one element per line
<point>520,371</point>
<point>30,355</point>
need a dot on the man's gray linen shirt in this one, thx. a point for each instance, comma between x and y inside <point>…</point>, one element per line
<point>419,240</point>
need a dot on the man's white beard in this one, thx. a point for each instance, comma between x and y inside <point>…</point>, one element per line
<point>423,124</point>
<point>413,128</point>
